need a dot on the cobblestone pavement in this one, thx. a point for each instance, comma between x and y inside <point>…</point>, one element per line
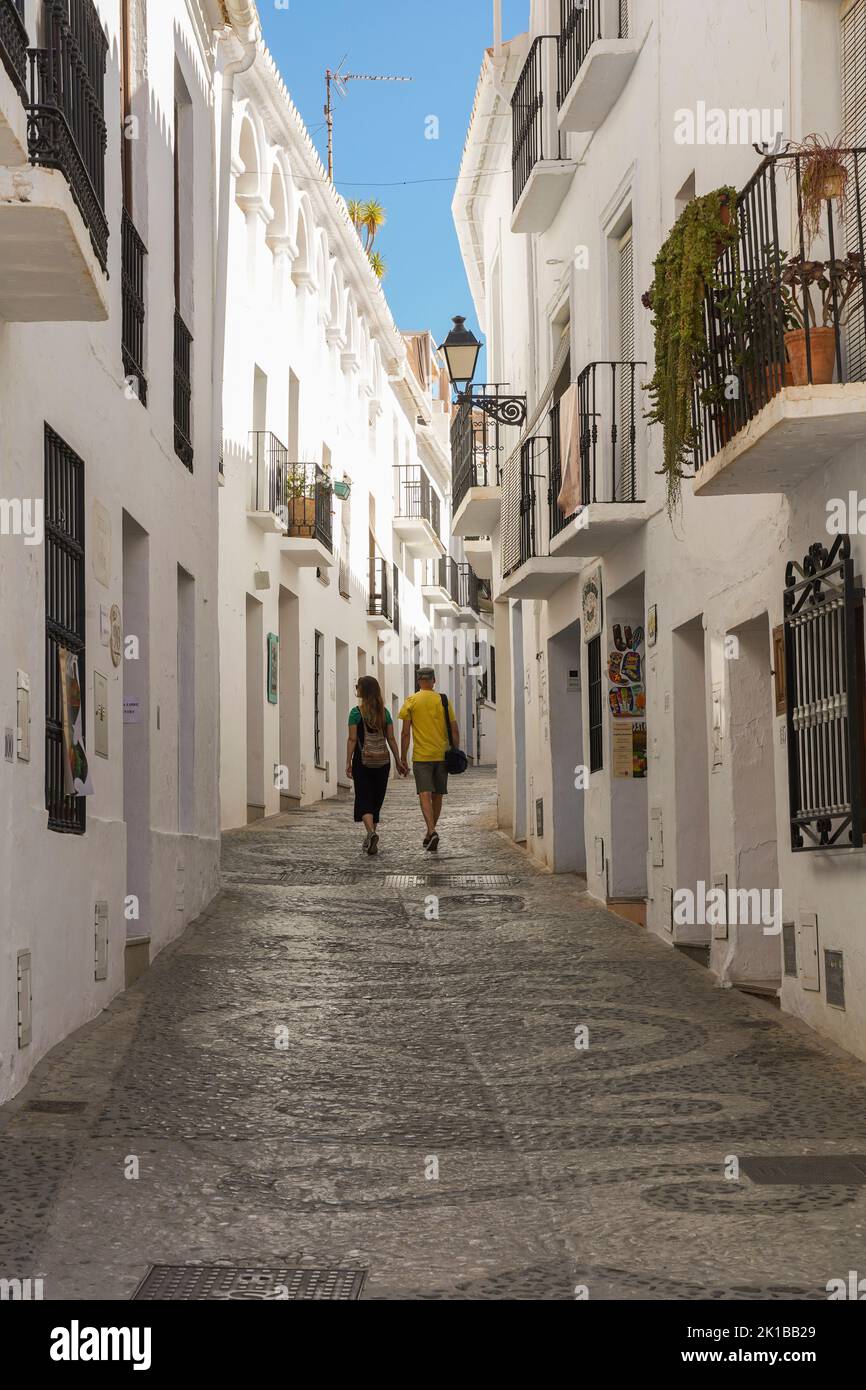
<point>411,1040</point>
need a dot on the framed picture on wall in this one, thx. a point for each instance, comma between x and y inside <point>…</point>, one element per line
<point>652,626</point>
<point>273,668</point>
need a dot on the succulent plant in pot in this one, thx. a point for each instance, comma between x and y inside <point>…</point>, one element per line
<point>811,343</point>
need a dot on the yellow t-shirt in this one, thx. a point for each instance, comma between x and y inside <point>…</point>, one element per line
<point>429,735</point>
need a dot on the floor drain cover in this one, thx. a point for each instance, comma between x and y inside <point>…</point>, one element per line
<point>57,1107</point>
<point>195,1282</point>
<point>449,880</point>
<point>827,1170</point>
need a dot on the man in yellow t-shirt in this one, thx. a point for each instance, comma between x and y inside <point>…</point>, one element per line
<point>423,716</point>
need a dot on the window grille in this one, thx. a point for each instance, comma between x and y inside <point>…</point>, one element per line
<point>596,706</point>
<point>64,617</point>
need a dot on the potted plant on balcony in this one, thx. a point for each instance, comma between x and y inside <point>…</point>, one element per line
<point>823,179</point>
<point>837,281</point>
<point>301,490</point>
<point>685,269</point>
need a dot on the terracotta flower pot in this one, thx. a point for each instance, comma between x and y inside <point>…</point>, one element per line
<point>822,345</point>
<point>302,516</point>
<point>833,183</point>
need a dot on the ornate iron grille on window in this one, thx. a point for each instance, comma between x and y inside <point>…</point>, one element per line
<point>132,336</point>
<point>528,115</point>
<point>475,448</point>
<point>182,391</point>
<point>825,698</point>
<point>65,118</point>
<point>270,464</point>
<point>760,296</point>
<point>13,44</point>
<point>64,617</point>
<point>582,22</point>
<point>596,705</point>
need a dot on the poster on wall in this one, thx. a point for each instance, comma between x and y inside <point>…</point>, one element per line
<point>627,700</point>
<point>628,743</point>
<point>76,772</point>
<point>590,604</point>
<point>273,668</point>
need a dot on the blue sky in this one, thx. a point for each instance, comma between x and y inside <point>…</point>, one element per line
<point>379,137</point>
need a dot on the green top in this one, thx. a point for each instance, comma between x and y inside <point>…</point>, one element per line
<point>355,717</point>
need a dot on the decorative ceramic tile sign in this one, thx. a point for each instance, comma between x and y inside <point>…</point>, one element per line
<point>591,604</point>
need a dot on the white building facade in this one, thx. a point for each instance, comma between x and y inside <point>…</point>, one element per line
<point>335,504</point>
<point>107,446</point>
<point>649,734</point>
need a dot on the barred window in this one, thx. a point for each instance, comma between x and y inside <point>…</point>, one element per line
<point>64,617</point>
<point>317,699</point>
<point>596,707</point>
<point>826,720</point>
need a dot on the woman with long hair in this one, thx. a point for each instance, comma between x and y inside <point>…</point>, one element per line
<point>368,759</point>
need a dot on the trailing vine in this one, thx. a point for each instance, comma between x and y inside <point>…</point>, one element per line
<point>685,268</point>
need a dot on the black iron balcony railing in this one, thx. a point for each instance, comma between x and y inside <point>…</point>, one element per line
<point>132,333</point>
<point>608,402</point>
<point>415,496</point>
<point>379,603</point>
<point>14,43</point>
<point>310,503</point>
<point>443,574</point>
<point>528,115</point>
<point>65,117</point>
<point>775,318</point>
<point>475,447</point>
<point>395,589</point>
<point>582,23</point>
<point>269,474</point>
<point>182,391</point>
<point>469,587</point>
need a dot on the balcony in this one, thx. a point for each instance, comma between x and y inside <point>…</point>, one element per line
<point>596,57</point>
<point>790,332</point>
<point>528,569</point>
<point>475,449</point>
<point>380,602</point>
<point>183,392</point>
<point>541,176</point>
<point>267,505</point>
<point>13,82</point>
<point>440,586</point>
<point>607,399</point>
<point>309,536</point>
<point>468,594</point>
<point>53,228</point>
<point>479,552</point>
<point>417,512</point>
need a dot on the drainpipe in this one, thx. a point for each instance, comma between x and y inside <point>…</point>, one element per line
<point>242,23</point>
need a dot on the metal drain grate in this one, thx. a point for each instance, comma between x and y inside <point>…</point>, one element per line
<point>222,1282</point>
<point>450,880</point>
<point>826,1170</point>
<point>57,1107</point>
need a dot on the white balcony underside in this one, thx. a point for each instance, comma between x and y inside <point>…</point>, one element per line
<point>597,87</point>
<point>268,522</point>
<point>478,513</point>
<point>798,431</point>
<point>479,553</point>
<point>49,272</point>
<point>538,578</point>
<point>438,598</point>
<point>599,528</point>
<point>543,195</point>
<point>307,552</point>
<point>379,622</point>
<point>420,537</point>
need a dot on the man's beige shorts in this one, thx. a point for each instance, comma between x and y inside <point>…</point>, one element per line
<point>431,777</point>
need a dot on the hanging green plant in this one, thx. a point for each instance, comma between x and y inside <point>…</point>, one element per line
<point>685,269</point>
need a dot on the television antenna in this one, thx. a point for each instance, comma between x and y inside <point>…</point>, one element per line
<point>338,79</point>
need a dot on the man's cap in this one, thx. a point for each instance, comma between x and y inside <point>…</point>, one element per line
<point>426,673</point>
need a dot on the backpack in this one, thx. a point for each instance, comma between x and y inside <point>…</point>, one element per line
<point>374,745</point>
<point>456,760</point>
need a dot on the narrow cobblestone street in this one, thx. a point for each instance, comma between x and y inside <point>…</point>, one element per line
<point>415,1042</point>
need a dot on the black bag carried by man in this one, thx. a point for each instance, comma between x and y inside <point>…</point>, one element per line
<point>456,760</point>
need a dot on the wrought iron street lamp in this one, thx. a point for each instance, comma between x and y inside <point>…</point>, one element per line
<point>461,349</point>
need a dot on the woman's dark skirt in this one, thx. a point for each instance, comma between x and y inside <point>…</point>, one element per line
<point>371,784</point>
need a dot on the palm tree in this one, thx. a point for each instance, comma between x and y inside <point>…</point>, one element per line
<point>355,209</point>
<point>372,219</point>
<point>378,264</point>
